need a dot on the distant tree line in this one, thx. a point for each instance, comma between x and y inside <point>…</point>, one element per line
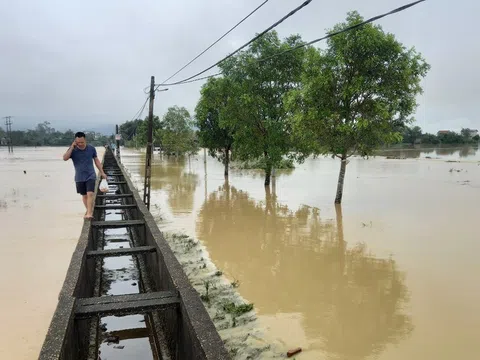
<point>45,135</point>
<point>414,135</point>
<point>271,103</point>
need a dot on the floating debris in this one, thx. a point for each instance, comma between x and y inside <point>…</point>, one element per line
<point>294,352</point>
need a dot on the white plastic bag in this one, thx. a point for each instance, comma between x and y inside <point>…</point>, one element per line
<point>104,185</point>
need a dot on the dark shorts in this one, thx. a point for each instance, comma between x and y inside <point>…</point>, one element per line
<point>85,186</point>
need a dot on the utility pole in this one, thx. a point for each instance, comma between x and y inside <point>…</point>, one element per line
<point>148,158</point>
<point>10,134</point>
<point>8,125</point>
<point>117,139</point>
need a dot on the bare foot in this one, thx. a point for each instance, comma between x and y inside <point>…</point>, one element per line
<point>88,217</point>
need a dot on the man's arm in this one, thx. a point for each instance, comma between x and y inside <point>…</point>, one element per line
<point>68,153</point>
<point>99,166</point>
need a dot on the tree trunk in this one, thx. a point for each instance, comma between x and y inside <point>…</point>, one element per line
<point>268,170</point>
<point>227,162</point>
<point>274,184</point>
<point>268,174</point>
<point>341,178</point>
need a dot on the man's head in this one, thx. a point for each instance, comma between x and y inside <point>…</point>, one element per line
<point>80,140</point>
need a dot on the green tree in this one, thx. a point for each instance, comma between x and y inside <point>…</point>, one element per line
<point>217,98</point>
<point>141,134</point>
<point>466,133</point>
<point>129,129</point>
<point>176,133</point>
<point>430,139</point>
<point>18,138</point>
<point>356,93</point>
<point>451,138</point>
<point>44,132</point>
<point>469,135</point>
<point>412,134</point>
<point>260,118</point>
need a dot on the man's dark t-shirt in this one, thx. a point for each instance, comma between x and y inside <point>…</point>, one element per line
<point>83,163</point>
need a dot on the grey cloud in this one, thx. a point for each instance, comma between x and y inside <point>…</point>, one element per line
<point>82,63</point>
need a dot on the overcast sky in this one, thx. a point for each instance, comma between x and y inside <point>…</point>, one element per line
<point>83,64</point>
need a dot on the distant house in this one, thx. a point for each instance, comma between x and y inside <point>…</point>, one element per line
<point>444,132</point>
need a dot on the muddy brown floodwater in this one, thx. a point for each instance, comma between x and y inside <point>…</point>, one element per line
<point>391,275</point>
<point>41,217</point>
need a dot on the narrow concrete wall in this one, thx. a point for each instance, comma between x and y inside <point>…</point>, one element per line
<point>189,330</point>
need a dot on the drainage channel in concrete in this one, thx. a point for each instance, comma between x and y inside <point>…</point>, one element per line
<point>122,337</point>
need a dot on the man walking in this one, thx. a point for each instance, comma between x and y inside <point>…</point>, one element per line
<point>82,154</point>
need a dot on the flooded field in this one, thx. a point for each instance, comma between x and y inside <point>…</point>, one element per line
<point>40,221</point>
<point>391,275</point>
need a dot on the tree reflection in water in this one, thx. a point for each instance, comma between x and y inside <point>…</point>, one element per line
<point>352,303</point>
<point>169,174</point>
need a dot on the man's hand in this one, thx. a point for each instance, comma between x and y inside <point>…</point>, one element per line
<point>104,176</point>
<point>68,153</point>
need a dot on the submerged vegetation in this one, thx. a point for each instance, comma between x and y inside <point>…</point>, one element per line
<point>272,106</point>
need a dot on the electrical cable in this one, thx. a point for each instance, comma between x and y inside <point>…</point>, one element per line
<point>228,32</point>
<point>138,115</point>
<point>291,13</point>
<point>399,9</point>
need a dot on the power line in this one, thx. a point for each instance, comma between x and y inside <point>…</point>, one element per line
<point>202,78</point>
<point>291,13</point>
<point>399,9</point>
<point>138,114</point>
<point>140,111</point>
<point>228,32</point>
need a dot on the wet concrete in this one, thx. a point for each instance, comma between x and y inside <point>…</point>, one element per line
<point>37,242</point>
<point>391,275</point>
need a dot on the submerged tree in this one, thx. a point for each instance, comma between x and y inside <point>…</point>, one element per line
<point>356,94</point>
<point>260,119</point>
<point>130,128</point>
<point>216,103</point>
<point>412,134</point>
<point>176,134</point>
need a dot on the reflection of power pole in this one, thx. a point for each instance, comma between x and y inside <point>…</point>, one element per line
<point>8,125</point>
